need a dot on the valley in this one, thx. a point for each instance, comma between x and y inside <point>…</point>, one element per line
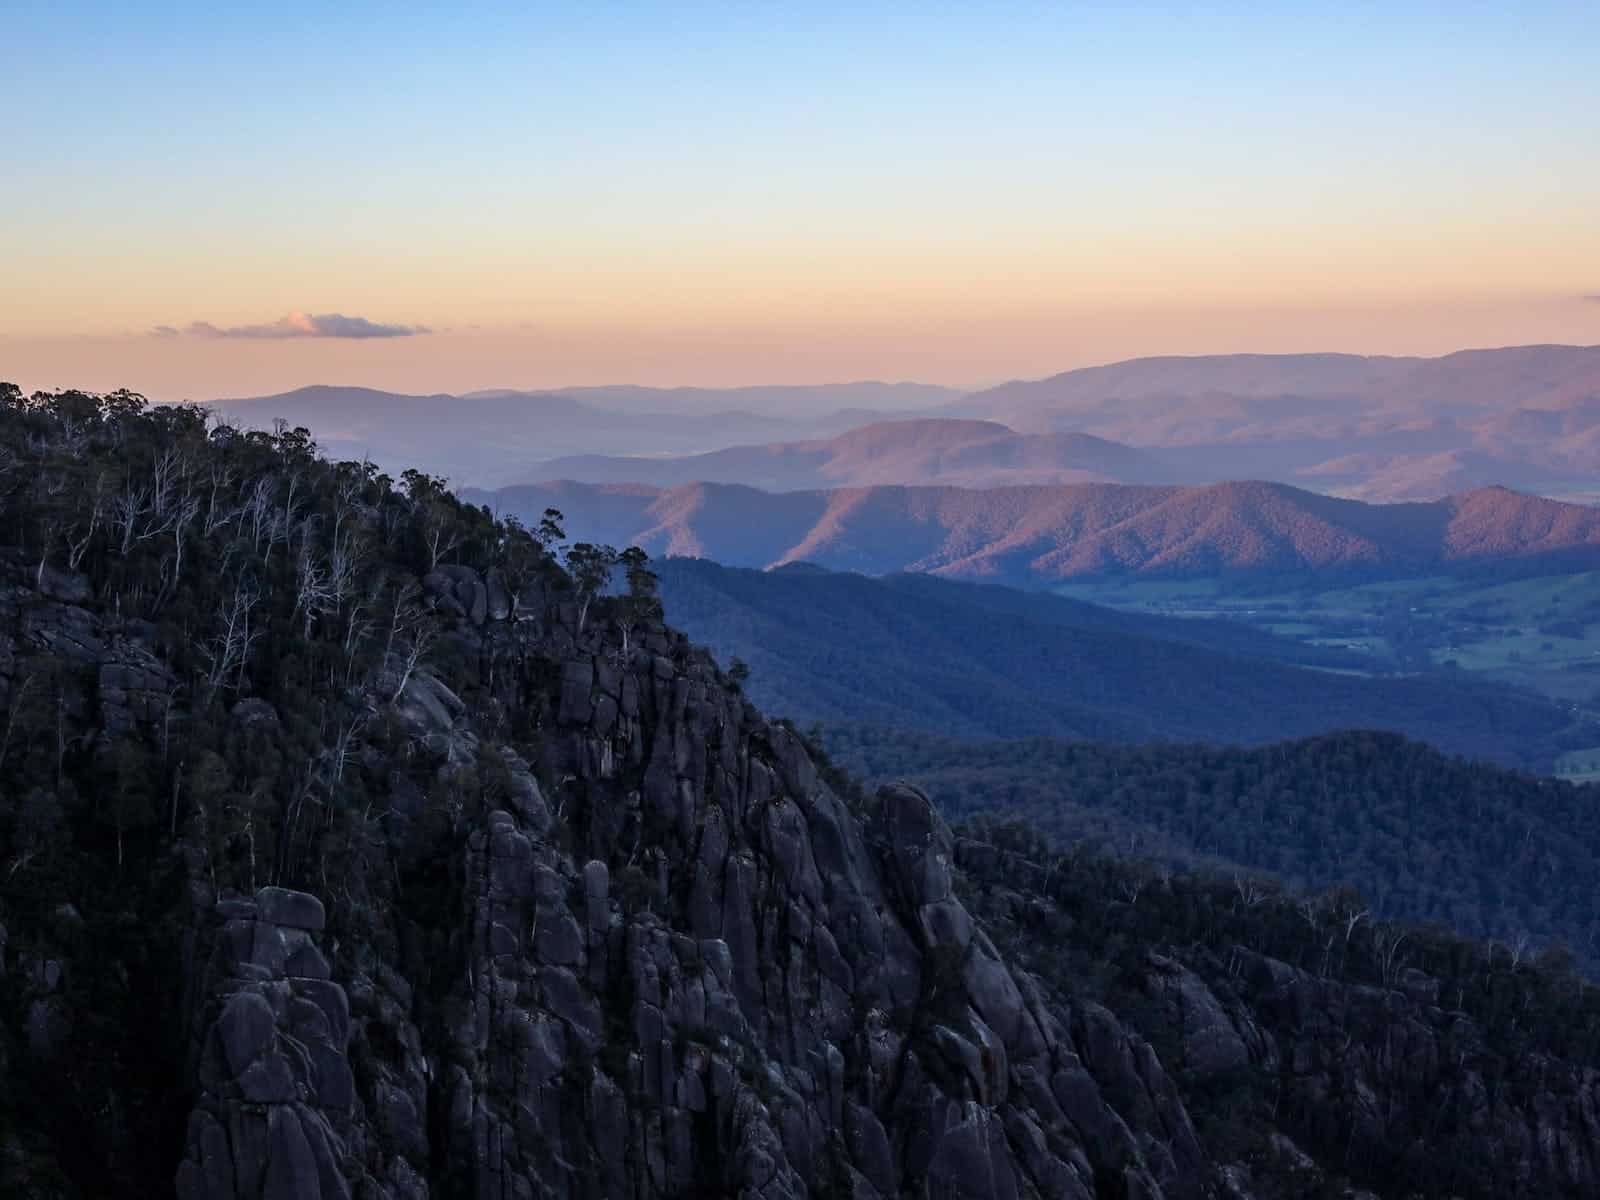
<point>1540,634</point>
<point>978,662</point>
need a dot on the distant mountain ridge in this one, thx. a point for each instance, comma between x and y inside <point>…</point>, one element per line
<point>865,395</point>
<point>1376,428</point>
<point>1035,535</point>
<point>1379,427</point>
<point>494,437</point>
<point>917,451</point>
<point>1371,428</point>
<point>1550,377</point>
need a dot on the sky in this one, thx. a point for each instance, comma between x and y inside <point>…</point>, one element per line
<point>211,200</point>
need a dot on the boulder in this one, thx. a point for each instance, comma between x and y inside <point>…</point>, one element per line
<point>293,910</point>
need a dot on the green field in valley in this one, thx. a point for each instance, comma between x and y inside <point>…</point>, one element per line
<point>1541,633</point>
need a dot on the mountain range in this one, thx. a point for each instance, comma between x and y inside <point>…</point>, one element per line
<point>1035,535</point>
<point>494,437</point>
<point>1381,427</point>
<point>959,453</point>
<point>1376,428</point>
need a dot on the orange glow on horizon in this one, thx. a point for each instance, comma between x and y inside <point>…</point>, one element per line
<point>883,343</point>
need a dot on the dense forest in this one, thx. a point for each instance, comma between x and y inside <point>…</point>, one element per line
<point>237,566</point>
<point>1377,1048</point>
<point>1493,853</point>
<point>965,661</point>
<point>354,843</point>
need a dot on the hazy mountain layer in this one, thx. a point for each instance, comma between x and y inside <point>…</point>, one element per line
<point>495,437</point>
<point>1375,428</point>
<point>953,452</point>
<point>1038,534</point>
<point>1385,428</point>
<point>791,402</point>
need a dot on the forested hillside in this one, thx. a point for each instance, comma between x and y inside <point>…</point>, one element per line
<point>1330,1053</point>
<point>1233,638</point>
<point>356,844</point>
<point>1424,837</point>
<point>966,661</point>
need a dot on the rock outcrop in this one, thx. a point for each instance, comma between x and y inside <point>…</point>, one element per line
<point>276,1089</point>
<point>691,970</point>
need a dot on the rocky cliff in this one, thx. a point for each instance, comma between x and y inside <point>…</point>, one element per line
<point>681,967</point>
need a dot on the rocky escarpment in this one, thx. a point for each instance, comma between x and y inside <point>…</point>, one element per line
<point>690,969</point>
<point>275,1084</point>
<point>653,951</point>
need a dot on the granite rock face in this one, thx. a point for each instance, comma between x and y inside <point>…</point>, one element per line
<point>689,970</point>
<point>609,932</point>
<point>276,1092</point>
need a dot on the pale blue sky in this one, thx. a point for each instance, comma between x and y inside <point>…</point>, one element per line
<point>789,166</point>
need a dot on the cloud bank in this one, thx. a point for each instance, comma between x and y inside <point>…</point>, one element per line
<point>298,325</point>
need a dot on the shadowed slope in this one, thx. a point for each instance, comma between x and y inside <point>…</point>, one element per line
<point>969,661</point>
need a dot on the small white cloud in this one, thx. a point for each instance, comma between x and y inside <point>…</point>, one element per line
<point>305,325</point>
